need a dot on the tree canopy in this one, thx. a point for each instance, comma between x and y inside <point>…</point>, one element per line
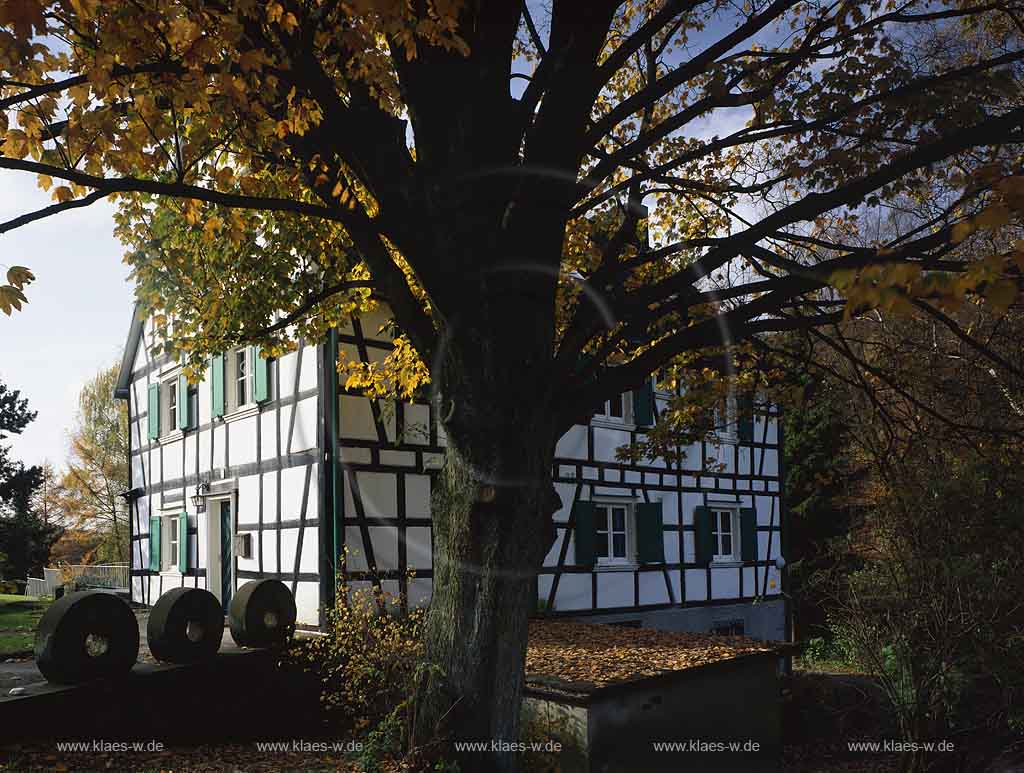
<point>273,160</point>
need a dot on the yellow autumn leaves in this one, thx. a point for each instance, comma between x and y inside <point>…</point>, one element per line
<point>11,294</point>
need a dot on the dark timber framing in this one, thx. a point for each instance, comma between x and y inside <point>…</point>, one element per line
<point>387,457</point>
<point>164,491</point>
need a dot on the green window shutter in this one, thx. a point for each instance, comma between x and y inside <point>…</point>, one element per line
<point>586,548</point>
<point>261,381</point>
<point>643,405</point>
<point>154,544</point>
<point>217,385</point>
<point>748,533</point>
<point>153,417</point>
<point>183,543</point>
<point>745,420</point>
<point>183,417</point>
<point>650,536</point>
<point>704,539</point>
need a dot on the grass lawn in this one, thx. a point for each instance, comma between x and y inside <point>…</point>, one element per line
<point>18,618</point>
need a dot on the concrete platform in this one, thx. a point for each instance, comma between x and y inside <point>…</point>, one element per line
<point>22,672</point>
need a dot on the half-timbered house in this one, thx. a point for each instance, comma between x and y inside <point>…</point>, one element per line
<point>270,468</point>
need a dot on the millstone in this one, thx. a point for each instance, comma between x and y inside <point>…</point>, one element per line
<point>86,635</point>
<point>185,626</point>
<point>262,614</point>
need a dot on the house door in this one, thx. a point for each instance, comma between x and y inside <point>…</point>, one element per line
<point>220,574</point>
<point>226,562</point>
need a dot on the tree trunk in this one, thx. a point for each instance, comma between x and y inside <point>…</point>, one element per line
<point>491,509</point>
<point>489,542</point>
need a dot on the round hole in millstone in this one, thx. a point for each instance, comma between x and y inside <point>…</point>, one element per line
<point>194,630</point>
<point>96,645</point>
<point>270,620</point>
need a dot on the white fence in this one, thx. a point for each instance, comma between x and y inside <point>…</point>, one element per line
<point>45,586</point>
<point>95,575</point>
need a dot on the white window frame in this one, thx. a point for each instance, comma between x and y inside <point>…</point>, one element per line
<point>168,423</point>
<point>231,381</point>
<point>734,532</point>
<point>618,422</point>
<point>618,562</point>
<point>170,534</point>
<point>727,431</point>
<point>193,410</point>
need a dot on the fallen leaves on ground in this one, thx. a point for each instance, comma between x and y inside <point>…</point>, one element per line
<point>586,656</point>
<point>228,758</point>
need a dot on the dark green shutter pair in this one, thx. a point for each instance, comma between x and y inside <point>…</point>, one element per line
<point>650,543</point>
<point>261,380</point>
<point>705,540</point>
<point>154,543</point>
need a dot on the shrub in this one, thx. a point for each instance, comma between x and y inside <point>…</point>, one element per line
<point>934,613</point>
<point>368,663</point>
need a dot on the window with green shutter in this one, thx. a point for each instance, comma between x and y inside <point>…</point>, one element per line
<point>183,543</point>
<point>643,405</point>
<point>153,412</point>
<point>261,375</point>
<point>704,539</point>
<point>217,385</point>
<point>748,533</point>
<point>650,534</point>
<point>154,544</point>
<point>183,406</point>
<point>583,533</point>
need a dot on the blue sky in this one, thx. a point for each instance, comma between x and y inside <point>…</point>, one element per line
<point>77,318</point>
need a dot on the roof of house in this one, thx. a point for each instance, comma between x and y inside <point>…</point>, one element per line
<point>124,374</point>
<point>578,659</point>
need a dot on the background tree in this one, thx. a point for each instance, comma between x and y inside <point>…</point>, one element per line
<point>14,417</point>
<point>25,539</point>
<point>481,168</point>
<point>90,489</point>
<point>820,485</point>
